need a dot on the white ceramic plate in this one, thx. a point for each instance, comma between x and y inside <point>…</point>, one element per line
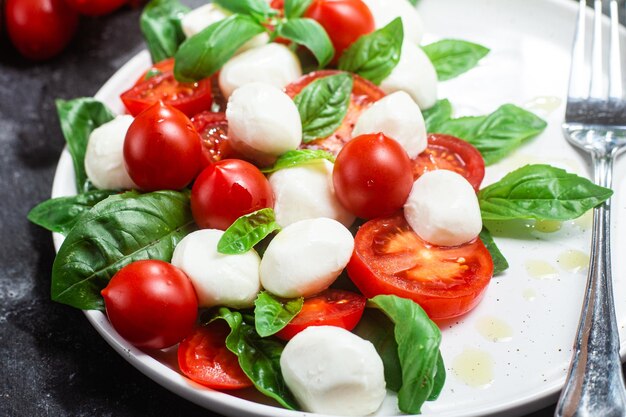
<point>509,356</point>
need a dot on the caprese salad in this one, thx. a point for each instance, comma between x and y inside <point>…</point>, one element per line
<point>288,202</point>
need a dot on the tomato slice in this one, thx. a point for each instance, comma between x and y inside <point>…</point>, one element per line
<point>390,258</point>
<point>213,128</point>
<point>204,358</point>
<point>190,98</point>
<point>451,153</point>
<point>364,93</point>
<point>167,65</point>
<point>329,308</point>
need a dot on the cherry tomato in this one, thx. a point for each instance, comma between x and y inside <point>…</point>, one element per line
<point>213,128</point>
<point>226,191</point>
<point>204,358</point>
<point>151,303</point>
<point>167,65</point>
<point>40,29</point>
<point>372,176</point>
<point>364,93</point>
<point>162,150</point>
<point>345,21</point>
<point>329,308</point>
<point>390,258</point>
<point>95,7</point>
<point>454,154</point>
<point>190,98</point>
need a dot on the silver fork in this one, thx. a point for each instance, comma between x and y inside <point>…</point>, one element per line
<point>595,121</point>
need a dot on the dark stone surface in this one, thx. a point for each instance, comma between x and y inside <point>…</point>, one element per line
<point>52,362</point>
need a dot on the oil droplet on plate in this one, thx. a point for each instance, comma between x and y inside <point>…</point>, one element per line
<point>529,294</point>
<point>494,329</point>
<point>541,269</point>
<point>544,105</point>
<point>474,367</point>
<point>548,226</point>
<point>573,260</point>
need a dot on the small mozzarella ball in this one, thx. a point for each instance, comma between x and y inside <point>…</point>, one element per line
<point>271,64</point>
<point>306,192</point>
<point>443,209</point>
<point>263,122</point>
<point>199,19</point>
<point>332,371</point>
<point>396,116</point>
<point>414,74</point>
<point>104,157</point>
<point>385,11</point>
<point>219,280</point>
<point>306,257</point>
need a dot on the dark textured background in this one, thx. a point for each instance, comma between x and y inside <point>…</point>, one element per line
<point>52,362</point>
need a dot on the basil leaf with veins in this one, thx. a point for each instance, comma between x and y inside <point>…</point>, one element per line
<point>117,231</point>
<point>247,231</point>
<point>272,314</point>
<point>161,27</point>
<point>310,34</point>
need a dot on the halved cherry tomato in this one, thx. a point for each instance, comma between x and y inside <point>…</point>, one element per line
<point>167,65</point>
<point>345,21</point>
<point>329,308</point>
<point>95,7</point>
<point>372,176</point>
<point>364,93</point>
<point>390,258</point>
<point>451,153</point>
<point>151,303</point>
<point>213,128</point>
<point>227,190</point>
<point>190,98</point>
<point>204,358</point>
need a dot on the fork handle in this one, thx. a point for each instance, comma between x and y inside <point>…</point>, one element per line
<point>594,384</point>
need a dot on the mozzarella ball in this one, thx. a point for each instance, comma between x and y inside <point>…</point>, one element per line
<point>306,257</point>
<point>384,11</point>
<point>219,280</point>
<point>306,192</point>
<point>272,64</point>
<point>199,19</point>
<point>104,157</point>
<point>443,209</point>
<point>398,117</point>
<point>333,372</point>
<point>263,122</point>
<point>414,74</point>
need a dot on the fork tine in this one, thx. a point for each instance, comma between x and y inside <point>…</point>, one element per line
<point>579,71</point>
<point>596,84</point>
<point>616,89</point>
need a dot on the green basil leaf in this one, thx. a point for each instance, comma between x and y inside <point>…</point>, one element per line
<point>258,357</point>
<point>540,192</point>
<point>272,314</point>
<point>160,25</point>
<point>299,157</point>
<point>437,115</point>
<point>440,379</point>
<point>117,231</point>
<point>413,2</point>
<point>310,34</point>
<point>79,117</point>
<point>296,8</point>
<point>374,56</point>
<point>247,231</point>
<point>323,105</point>
<point>500,264</point>
<point>204,54</point>
<point>418,340</point>
<point>497,134</point>
<point>61,214</point>
<point>259,9</point>
<point>453,57</point>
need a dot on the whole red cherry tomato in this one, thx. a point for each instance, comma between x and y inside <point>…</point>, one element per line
<point>40,29</point>
<point>151,303</point>
<point>226,191</point>
<point>95,7</point>
<point>345,21</point>
<point>372,176</point>
<point>162,150</point>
